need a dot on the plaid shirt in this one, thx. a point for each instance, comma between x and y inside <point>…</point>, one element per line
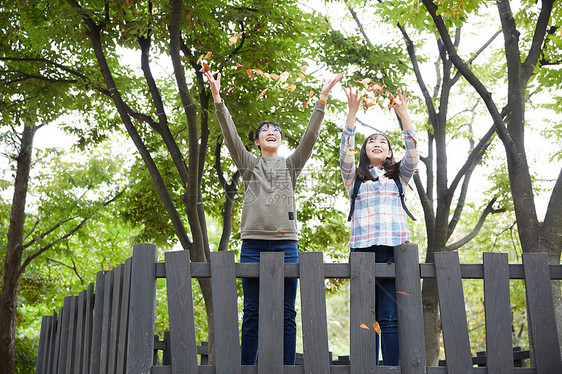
<point>378,218</point>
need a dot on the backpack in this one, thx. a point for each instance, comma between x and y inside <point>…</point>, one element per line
<point>356,186</point>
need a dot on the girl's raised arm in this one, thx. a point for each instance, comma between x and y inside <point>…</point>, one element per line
<point>215,86</point>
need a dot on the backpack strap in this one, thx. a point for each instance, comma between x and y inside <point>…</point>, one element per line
<point>354,193</point>
<point>402,198</point>
<point>248,173</point>
<point>356,186</point>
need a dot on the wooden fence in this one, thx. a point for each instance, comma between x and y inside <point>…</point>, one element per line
<point>111,330</point>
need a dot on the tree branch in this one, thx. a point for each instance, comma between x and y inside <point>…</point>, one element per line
<point>231,190</point>
<point>93,33</point>
<point>190,110</point>
<point>359,25</point>
<point>476,229</point>
<point>67,235</point>
<point>538,39</point>
<point>469,75</point>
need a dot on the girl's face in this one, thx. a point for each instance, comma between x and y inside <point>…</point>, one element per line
<point>377,149</point>
<point>269,138</point>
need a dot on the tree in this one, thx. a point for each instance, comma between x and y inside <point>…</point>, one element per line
<point>167,117</point>
<point>443,200</point>
<point>31,98</point>
<point>528,52</point>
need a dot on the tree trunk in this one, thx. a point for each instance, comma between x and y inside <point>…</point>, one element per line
<point>12,265</point>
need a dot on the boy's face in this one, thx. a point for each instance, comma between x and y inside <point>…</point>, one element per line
<point>269,137</point>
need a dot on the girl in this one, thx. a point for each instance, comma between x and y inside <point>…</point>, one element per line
<point>378,219</point>
<point>269,211</point>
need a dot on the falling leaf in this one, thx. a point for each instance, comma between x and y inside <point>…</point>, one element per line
<point>377,327</point>
<point>290,88</point>
<point>233,39</point>
<point>305,104</point>
<point>364,326</point>
<point>283,78</point>
<point>365,82</point>
<point>250,73</point>
<point>303,69</point>
<point>199,59</point>
<point>275,76</point>
<point>258,71</point>
<point>403,293</point>
<point>310,94</point>
<point>375,87</point>
<point>302,77</point>
<point>205,68</point>
<point>281,232</point>
<point>239,65</point>
<point>262,94</point>
<point>208,55</point>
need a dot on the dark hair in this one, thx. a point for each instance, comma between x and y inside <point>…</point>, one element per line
<point>257,133</point>
<point>390,166</point>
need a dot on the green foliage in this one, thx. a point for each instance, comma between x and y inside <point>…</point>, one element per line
<point>25,356</point>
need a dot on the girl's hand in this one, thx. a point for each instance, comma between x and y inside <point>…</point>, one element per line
<point>330,83</point>
<point>400,102</point>
<point>400,106</point>
<point>353,100</point>
<point>215,86</point>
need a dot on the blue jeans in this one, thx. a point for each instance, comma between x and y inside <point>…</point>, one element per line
<point>251,249</point>
<point>386,312</point>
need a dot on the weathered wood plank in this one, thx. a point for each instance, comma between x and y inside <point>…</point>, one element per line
<point>342,369</point>
<point>314,320</point>
<point>497,304</point>
<point>97,323</point>
<point>73,350</point>
<point>63,347</point>
<point>42,349</point>
<point>106,323</point>
<point>88,326</point>
<point>453,313</point>
<point>142,309</point>
<point>362,312</point>
<point>70,357</point>
<point>166,353</point>
<point>124,318</point>
<point>115,326</point>
<point>270,338</point>
<point>540,309</point>
<point>225,308</point>
<point>410,312</point>
<point>80,331</point>
<point>53,348</point>
<point>183,346</point>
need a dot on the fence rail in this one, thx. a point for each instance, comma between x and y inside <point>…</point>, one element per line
<point>111,330</point>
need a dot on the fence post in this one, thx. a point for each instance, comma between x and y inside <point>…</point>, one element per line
<point>183,346</point>
<point>362,312</point>
<point>540,310</point>
<point>140,339</point>
<point>227,336</point>
<point>499,351</point>
<point>270,337</point>
<point>410,312</point>
<point>314,320</point>
<point>453,313</point>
